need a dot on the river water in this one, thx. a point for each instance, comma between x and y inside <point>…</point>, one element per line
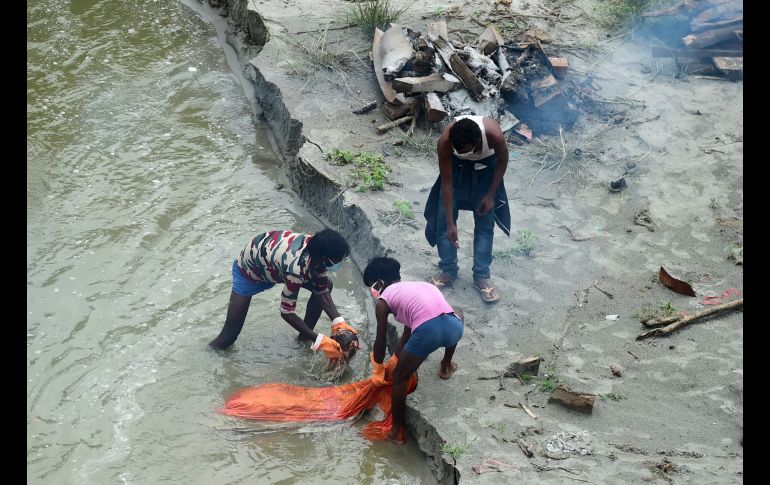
<point>145,176</point>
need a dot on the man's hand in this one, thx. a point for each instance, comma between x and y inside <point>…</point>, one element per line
<point>451,234</point>
<point>486,204</point>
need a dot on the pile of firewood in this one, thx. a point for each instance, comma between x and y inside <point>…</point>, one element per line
<point>429,77</point>
<point>712,39</point>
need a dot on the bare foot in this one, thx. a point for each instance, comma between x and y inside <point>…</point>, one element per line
<point>446,373</point>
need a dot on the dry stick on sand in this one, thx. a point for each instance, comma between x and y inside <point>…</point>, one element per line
<point>633,355</point>
<point>673,327</point>
<point>609,295</point>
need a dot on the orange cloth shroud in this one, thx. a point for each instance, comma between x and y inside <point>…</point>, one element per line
<point>289,403</point>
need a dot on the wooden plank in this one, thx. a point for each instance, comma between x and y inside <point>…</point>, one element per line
<point>433,108</point>
<point>559,65</point>
<point>668,52</point>
<point>709,37</point>
<point>731,66</point>
<point>459,68</point>
<point>436,82</point>
<point>489,40</point>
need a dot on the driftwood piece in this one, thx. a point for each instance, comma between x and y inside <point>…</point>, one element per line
<point>395,51</point>
<point>436,82</point>
<point>676,285</point>
<point>434,109</point>
<point>726,307</point>
<point>528,364</point>
<point>459,68</point>
<point>710,37</point>
<point>385,86</point>
<point>393,124</point>
<point>583,402</point>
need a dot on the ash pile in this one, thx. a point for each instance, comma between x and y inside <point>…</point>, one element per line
<point>426,76</point>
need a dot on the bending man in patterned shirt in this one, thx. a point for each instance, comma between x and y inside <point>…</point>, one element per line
<point>297,261</point>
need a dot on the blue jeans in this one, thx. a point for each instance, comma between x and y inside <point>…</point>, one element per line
<point>469,186</point>
<point>442,331</point>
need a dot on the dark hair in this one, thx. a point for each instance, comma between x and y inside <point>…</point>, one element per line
<point>464,132</point>
<point>385,269</point>
<point>327,244</point>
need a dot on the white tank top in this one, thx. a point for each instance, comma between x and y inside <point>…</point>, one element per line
<point>485,150</point>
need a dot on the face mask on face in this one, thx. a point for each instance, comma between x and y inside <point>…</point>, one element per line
<point>334,267</point>
<point>376,289</point>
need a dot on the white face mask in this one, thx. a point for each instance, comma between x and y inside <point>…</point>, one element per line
<point>464,154</point>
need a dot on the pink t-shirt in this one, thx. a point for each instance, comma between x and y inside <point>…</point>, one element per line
<point>415,302</point>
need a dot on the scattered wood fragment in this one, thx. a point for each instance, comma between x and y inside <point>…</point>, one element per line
<point>583,402</point>
<point>633,355</point>
<point>676,285</point>
<point>642,218</point>
<point>572,236</point>
<point>609,295</point>
<point>686,320</point>
<point>366,108</point>
<point>522,406</point>
<point>527,364</point>
<point>393,124</point>
<point>527,449</point>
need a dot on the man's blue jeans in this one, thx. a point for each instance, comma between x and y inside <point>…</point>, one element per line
<point>469,187</point>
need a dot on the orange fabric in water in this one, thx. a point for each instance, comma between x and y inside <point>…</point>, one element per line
<point>286,402</point>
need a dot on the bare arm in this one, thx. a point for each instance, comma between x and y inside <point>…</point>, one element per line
<point>381,311</point>
<point>299,325</point>
<point>444,149</point>
<point>496,141</point>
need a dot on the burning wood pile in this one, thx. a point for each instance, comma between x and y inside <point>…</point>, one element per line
<point>430,77</point>
<point>708,33</point>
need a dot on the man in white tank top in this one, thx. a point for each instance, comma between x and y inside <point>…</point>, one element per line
<point>472,158</point>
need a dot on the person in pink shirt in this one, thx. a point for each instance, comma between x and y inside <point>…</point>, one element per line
<point>429,323</point>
